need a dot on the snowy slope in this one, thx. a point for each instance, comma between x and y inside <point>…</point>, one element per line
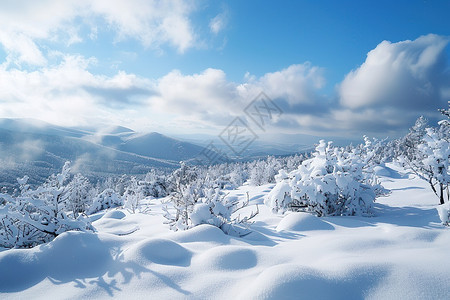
<point>400,253</point>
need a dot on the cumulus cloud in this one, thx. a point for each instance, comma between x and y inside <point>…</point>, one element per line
<point>396,83</point>
<point>297,84</point>
<point>408,74</point>
<point>24,24</point>
<point>67,93</point>
<point>210,96</point>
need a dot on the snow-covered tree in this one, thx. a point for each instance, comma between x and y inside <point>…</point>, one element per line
<point>408,146</point>
<point>133,195</point>
<point>154,185</point>
<point>426,151</point>
<point>37,216</point>
<point>264,171</point>
<point>77,195</point>
<point>434,165</point>
<point>106,199</point>
<point>332,182</point>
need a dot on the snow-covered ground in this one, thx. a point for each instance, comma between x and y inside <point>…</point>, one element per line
<point>400,253</point>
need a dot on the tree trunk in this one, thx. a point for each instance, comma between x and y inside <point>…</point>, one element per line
<point>441,197</point>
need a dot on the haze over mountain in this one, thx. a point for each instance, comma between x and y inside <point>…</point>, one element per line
<point>38,149</point>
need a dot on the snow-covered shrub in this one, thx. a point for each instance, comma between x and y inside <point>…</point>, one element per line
<point>38,216</point>
<point>77,195</point>
<point>264,171</point>
<point>332,182</point>
<point>106,199</point>
<point>154,185</point>
<point>408,145</point>
<point>435,153</point>
<point>214,209</point>
<point>373,152</point>
<point>426,151</point>
<point>133,195</point>
<point>195,203</point>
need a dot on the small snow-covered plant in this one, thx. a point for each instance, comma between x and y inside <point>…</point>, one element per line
<point>373,152</point>
<point>408,145</point>
<point>214,208</point>
<point>77,195</point>
<point>133,195</point>
<point>264,171</point>
<point>38,216</point>
<point>331,183</point>
<point>195,203</point>
<point>154,185</point>
<point>106,199</point>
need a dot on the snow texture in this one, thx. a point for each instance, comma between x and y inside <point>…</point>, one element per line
<point>401,252</point>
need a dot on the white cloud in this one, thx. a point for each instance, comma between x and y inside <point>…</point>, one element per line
<point>218,23</point>
<point>151,22</point>
<point>24,24</point>
<point>406,74</point>
<point>297,84</point>
<point>68,93</point>
<point>210,97</point>
<point>370,100</point>
<point>397,83</point>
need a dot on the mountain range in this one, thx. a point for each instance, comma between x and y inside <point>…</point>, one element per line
<point>38,149</point>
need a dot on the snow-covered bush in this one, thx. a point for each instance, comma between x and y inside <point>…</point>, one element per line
<point>38,216</point>
<point>154,185</point>
<point>373,152</point>
<point>426,151</point>
<point>106,199</point>
<point>133,195</point>
<point>435,153</point>
<point>77,196</point>
<point>194,202</point>
<point>214,208</point>
<point>264,171</point>
<point>333,182</point>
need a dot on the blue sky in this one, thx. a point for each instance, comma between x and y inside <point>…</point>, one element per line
<point>193,66</point>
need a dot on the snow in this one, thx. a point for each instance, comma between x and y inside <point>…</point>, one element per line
<point>400,252</point>
<point>114,214</point>
<point>302,221</point>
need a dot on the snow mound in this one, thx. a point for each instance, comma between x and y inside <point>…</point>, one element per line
<point>114,214</point>
<point>381,171</point>
<point>159,251</point>
<point>300,221</point>
<point>228,258</point>
<point>80,252</point>
<point>399,253</point>
<point>297,281</point>
<point>202,233</point>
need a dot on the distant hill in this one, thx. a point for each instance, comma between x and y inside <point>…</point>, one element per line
<point>160,146</point>
<point>39,149</point>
